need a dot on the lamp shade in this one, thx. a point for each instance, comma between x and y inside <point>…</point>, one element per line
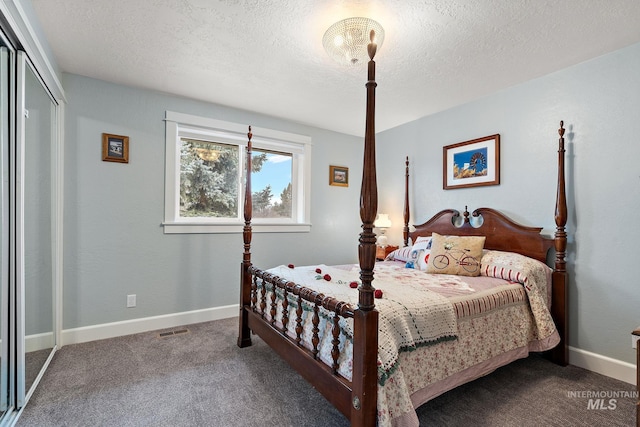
<point>346,41</point>
<point>382,221</point>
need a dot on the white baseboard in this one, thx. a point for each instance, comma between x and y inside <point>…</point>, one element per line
<point>35,342</point>
<point>604,365</point>
<point>136,326</point>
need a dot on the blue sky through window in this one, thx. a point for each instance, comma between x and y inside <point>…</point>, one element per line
<point>275,171</point>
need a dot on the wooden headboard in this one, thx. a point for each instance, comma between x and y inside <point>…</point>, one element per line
<point>506,235</point>
<point>502,234</point>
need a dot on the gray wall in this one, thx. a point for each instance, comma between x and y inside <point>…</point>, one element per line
<point>599,103</point>
<point>113,242</point>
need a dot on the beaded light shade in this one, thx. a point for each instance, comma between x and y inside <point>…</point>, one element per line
<point>346,41</point>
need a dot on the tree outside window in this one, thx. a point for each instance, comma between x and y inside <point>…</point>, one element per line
<point>204,174</point>
<point>209,181</point>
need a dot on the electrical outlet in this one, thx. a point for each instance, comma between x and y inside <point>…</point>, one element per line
<point>131,300</point>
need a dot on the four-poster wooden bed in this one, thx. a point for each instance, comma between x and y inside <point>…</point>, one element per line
<point>292,318</point>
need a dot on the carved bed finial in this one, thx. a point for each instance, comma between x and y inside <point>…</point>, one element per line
<point>372,47</point>
<point>466,214</point>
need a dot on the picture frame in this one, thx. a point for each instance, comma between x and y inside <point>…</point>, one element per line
<point>115,148</point>
<point>339,175</point>
<point>473,163</point>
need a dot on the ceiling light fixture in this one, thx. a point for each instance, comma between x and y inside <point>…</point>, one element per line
<point>346,41</point>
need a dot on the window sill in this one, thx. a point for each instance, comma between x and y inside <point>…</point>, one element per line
<point>207,228</point>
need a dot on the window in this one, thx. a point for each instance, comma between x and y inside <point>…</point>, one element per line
<point>204,184</point>
<point>271,184</point>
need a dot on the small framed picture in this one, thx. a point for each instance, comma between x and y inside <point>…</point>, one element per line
<point>115,148</point>
<point>471,163</point>
<point>339,175</point>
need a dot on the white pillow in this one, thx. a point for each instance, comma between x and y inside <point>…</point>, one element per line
<point>423,244</point>
<point>419,252</point>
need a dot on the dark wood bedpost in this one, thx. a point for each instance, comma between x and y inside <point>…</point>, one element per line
<point>560,298</point>
<point>365,320</point>
<point>405,229</point>
<point>244,334</point>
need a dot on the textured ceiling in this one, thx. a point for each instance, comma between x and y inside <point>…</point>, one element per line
<point>267,56</point>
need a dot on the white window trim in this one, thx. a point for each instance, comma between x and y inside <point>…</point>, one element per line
<point>179,125</point>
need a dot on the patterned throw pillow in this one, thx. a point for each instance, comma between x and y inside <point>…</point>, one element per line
<point>459,255</point>
<point>415,256</point>
<point>400,254</point>
<point>424,244</point>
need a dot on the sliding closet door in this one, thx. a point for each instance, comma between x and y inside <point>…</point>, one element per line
<point>35,216</point>
<point>4,227</point>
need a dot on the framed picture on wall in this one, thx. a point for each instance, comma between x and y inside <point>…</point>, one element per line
<point>471,163</point>
<point>339,175</point>
<point>115,148</point>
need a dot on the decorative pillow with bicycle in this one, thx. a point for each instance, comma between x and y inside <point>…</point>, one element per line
<point>459,255</point>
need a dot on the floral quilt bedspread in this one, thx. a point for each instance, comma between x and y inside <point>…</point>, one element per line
<point>411,353</point>
<point>410,316</point>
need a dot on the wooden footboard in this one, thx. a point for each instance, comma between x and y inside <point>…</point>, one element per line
<point>277,332</point>
<point>268,315</point>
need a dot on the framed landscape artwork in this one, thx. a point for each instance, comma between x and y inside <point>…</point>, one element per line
<point>471,163</point>
<point>115,148</point>
<point>339,175</point>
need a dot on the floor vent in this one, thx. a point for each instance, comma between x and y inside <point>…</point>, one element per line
<point>173,333</point>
